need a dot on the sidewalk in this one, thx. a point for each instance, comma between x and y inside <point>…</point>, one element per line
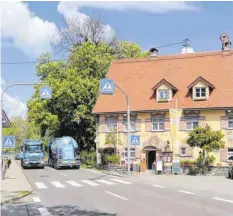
<point>15,185</point>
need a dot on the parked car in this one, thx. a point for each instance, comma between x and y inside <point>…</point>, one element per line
<point>19,156</point>
<point>230,171</point>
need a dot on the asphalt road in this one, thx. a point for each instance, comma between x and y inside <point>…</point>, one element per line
<point>81,192</point>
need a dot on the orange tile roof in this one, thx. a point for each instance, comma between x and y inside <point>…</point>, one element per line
<point>138,76</point>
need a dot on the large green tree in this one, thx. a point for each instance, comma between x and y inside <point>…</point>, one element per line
<point>75,85</point>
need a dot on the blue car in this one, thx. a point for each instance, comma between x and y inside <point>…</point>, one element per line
<point>18,156</point>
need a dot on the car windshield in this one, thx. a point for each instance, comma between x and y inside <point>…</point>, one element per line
<point>34,148</point>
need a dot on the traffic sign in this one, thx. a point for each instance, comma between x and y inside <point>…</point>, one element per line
<point>135,140</point>
<point>8,141</point>
<point>107,86</point>
<point>45,92</point>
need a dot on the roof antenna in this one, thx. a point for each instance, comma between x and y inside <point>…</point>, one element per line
<point>187,48</point>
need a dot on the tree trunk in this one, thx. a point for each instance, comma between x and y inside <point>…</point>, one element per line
<point>204,165</point>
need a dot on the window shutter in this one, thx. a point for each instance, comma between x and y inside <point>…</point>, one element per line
<point>138,125</point>
<point>121,126</point>
<point>167,124</point>
<point>182,123</point>
<point>189,151</point>
<point>223,122</point>
<point>202,121</point>
<point>148,125</point>
<point>223,154</point>
<point>138,153</point>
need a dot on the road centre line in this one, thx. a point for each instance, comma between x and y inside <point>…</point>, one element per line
<point>116,195</point>
<point>43,212</point>
<point>158,186</point>
<point>186,192</point>
<point>221,199</point>
<point>36,199</point>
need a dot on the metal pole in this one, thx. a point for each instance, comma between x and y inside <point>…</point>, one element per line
<point>128,125</point>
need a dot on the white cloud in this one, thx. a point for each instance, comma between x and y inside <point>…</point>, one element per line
<point>12,105</point>
<point>29,33</point>
<point>147,6</point>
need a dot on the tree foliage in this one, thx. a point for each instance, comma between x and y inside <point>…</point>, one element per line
<point>113,140</point>
<point>206,139</point>
<point>75,82</point>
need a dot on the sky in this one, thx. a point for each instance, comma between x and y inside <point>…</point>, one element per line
<point>29,28</point>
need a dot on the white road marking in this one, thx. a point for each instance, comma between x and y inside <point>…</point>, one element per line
<point>57,184</point>
<point>36,199</point>
<point>73,183</point>
<point>186,192</point>
<point>105,182</point>
<point>43,212</point>
<point>116,195</point>
<point>121,181</point>
<point>221,199</point>
<point>40,185</point>
<point>64,174</point>
<point>90,182</point>
<point>158,186</point>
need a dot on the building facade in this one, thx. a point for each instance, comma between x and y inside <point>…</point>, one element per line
<point>199,84</point>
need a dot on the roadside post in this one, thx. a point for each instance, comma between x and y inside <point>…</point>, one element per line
<point>107,86</point>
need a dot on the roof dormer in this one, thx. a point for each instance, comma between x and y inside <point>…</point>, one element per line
<point>200,89</point>
<point>164,91</point>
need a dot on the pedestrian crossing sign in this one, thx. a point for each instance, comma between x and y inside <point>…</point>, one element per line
<point>8,141</point>
<point>135,140</point>
<point>45,92</point>
<point>107,86</point>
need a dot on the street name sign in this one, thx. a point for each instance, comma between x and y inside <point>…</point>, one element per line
<point>45,92</point>
<point>107,86</point>
<point>8,141</point>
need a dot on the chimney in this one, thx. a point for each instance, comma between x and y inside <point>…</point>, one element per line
<point>154,52</point>
<point>226,43</point>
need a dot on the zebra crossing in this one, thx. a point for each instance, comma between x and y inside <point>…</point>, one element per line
<point>80,183</point>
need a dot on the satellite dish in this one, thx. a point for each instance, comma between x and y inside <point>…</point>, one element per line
<point>187,49</point>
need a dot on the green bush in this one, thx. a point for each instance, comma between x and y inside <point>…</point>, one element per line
<point>198,168</point>
<point>88,159</point>
<point>114,159</point>
<point>186,162</point>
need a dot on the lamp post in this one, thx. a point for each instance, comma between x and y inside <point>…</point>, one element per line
<point>128,125</point>
<point>1,104</point>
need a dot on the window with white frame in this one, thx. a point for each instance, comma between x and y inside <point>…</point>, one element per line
<point>163,94</point>
<point>191,123</point>
<point>200,92</point>
<point>158,124</point>
<point>132,126</point>
<point>111,125</point>
<point>230,154</point>
<point>230,122</point>
<point>132,153</point>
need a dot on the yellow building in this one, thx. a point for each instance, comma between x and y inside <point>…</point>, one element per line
<point>198,84</point>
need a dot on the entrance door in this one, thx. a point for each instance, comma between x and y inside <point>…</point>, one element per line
<point>150,159</point>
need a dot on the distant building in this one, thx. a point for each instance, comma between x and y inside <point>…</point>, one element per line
<point>198,83</point>
<point>5,120</point>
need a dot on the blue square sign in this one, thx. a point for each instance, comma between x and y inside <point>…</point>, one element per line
<point>107,86</point>
<point>135,140</point>
<point>45,92</point>
<point>8,141</point>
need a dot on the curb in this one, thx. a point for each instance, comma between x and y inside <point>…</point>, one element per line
<point>16,198</point>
